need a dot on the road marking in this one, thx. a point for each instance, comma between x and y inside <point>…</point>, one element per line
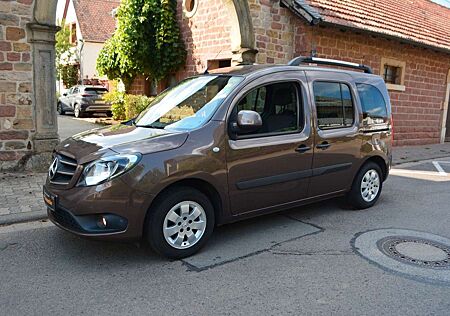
<point>418,172</point>
<point>439,168</point>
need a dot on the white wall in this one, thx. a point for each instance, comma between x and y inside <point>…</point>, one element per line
<point>89,58</point>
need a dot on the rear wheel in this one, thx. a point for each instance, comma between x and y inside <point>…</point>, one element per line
<point>366,188</point>
<point>180,223</point>
<point>59,108</point>
<point>78,112</point>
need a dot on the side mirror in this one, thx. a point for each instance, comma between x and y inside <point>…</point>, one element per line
<point>249,121</point>
<point>65,94</point>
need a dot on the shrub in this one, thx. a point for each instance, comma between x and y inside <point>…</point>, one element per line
<point>126,106</point>
<point>135,104</point>
<point>117,100</point>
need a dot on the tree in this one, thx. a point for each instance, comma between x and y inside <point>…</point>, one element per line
<point>147,42</point>
<point>65,71</point>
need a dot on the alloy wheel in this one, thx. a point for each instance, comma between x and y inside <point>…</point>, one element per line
<point>184,225</point>
<point>370,185</point>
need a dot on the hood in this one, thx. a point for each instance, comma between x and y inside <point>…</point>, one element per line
<point>99,142</point>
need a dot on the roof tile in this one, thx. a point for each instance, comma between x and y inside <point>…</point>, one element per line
<point>95,18</point>
<point>421,21</point>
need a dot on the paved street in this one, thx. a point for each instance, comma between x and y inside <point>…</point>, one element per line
<point>304,261</point>
<point>69,125</point>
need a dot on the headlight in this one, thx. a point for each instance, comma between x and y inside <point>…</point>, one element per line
<point>107,168</point>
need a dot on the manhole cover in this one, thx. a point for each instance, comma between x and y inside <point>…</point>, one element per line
<point>416,251</point>
<point>418,255</point>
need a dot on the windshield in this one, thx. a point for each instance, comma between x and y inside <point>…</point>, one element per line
<point>188,105</point>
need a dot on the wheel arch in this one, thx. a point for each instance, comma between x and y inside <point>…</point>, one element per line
<point>380,161</point>
<point>201,185</point>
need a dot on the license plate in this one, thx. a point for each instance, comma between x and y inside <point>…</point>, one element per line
<point>49,199</point>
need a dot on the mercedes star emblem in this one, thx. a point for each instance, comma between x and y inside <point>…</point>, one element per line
<point>53,168</point>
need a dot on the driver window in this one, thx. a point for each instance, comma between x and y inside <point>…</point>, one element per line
<point>278,106</point>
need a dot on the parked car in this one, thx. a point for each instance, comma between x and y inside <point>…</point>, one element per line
<point>84,100</point>
<point>224,146</point>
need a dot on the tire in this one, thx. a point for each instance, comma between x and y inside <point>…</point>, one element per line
<point>77,111</point>
<point>366,187</point>
<point>166,214</point>
<point>60,110</point>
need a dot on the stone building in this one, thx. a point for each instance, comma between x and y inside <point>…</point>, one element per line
<point>406,41</point>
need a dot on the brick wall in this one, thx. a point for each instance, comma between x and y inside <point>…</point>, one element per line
<point>206,35</point>
<point>280,35</point>
<point>274,31</point>
<point>417,111</point>
<point>16,108</point>
<point>138,86</point>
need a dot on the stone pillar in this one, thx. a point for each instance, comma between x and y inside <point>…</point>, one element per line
<point>44,86</point>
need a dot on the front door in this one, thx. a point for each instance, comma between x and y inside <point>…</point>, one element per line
<point>337,145</point>
<point>271,166</point>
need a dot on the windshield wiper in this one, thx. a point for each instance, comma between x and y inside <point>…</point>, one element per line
<point>152,126</point>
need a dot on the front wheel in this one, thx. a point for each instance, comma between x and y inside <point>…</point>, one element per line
<point>60,110</point>
<point>180,223</point>
<point>366,188</point>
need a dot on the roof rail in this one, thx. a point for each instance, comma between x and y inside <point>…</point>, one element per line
<point>331,62</point>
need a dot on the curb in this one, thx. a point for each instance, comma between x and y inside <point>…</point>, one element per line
<point>407,160</point>
<point>10,219</point>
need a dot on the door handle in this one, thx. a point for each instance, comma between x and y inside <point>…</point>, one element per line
<point>302,148</point>
<point>323,145</point>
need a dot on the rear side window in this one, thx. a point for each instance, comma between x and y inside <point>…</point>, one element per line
<point>372,103</point>
<point>334,105</point>
<point>95,90</point>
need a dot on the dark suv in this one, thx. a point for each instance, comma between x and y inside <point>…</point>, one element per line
<point>84,100</point>
<point>223,146</point>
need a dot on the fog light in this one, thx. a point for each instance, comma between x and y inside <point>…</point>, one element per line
<point>102,222</point>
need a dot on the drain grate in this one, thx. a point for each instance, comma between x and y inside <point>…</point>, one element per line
<point>420,252</point>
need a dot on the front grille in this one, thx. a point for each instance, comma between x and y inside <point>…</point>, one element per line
<point>66,219</point>
<point>63,171</point>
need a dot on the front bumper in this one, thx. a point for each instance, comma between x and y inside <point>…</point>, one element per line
<point>84,211</point>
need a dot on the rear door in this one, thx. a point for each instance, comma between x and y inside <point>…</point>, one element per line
<point>337,145</point>
<point>272,166</point>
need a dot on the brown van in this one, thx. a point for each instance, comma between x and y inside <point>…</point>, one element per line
<point>223,146</point>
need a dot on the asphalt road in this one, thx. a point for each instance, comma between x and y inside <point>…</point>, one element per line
<point>299,262</point>
<point>68,125</point>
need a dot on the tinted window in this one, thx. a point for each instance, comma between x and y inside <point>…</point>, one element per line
<point>372,103</point>
<point>278,105</point>
<point>334,105</point>
<point>95,90</point>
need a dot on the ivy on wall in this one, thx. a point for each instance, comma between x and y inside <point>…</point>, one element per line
<point>147,42</point>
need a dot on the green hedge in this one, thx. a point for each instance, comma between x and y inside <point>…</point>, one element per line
<point>126,106</point>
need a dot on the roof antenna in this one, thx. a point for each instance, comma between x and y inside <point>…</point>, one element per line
<point>207,68</point>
